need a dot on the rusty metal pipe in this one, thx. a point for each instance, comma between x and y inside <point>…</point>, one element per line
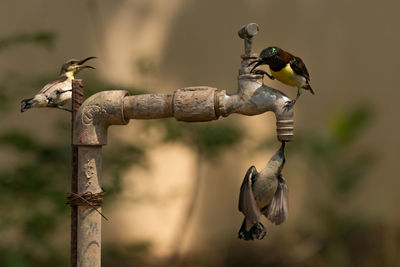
<point>89,220</point>
<point>191,104</point>
<point>138,106</point>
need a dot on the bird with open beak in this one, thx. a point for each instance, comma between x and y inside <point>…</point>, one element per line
<point>286,68</point>
<point>265,193</point>
<point>58,92</point>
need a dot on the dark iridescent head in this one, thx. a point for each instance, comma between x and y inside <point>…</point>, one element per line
<point>75,65</point>
<point>267,56</point>
<point>269,53</point>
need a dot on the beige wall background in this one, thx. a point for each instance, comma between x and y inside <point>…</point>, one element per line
<point>351,49</point>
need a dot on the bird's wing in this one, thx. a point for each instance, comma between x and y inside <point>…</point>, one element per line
<point>277,210</point>
<point>299,67</point>
<point>247,202</point>
<point>51,85</point>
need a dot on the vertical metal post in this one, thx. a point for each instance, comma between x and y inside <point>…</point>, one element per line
<point>77,100</point>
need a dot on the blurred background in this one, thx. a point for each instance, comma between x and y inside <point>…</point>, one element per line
<point>172,188</point>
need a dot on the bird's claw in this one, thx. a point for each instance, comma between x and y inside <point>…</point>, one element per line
<point>259,231</point>
<point>289,104</point>
<point>262,72</point>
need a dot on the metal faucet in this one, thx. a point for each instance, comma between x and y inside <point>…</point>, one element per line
<point>190,104</point>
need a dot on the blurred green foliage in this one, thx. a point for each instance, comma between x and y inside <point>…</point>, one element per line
<point>334,161</point>
<point>34,187</point>
<point>336,165</point>
<point>331,155</point>
<point>43,38</point>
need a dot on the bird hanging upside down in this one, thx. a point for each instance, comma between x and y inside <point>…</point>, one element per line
<point>58,92</point>
<point>265,193</point>
<point>286,68</point>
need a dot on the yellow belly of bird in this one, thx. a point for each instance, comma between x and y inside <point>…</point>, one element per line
<point>288,76</point>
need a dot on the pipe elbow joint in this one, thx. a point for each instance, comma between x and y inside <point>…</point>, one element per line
<point>96,114</point>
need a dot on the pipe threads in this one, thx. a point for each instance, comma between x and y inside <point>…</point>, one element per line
<point>284,129</point>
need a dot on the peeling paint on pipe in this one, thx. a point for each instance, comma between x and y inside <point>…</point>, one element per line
<point>89,220</point>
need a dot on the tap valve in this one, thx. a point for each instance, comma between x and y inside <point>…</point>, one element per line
<point>247,32</point>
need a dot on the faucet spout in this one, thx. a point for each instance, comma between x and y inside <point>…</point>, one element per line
<point>253,98</point>
<point>190,104</point>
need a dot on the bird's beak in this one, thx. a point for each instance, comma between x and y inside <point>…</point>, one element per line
<point>84,67</point>
<point>282,155</point>
<point>84,60</point>
<point>81,66</point>
<point>282,149</point>
<point>257,63</point>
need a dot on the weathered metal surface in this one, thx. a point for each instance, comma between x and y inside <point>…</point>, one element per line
<point>191,104</point>
<point>195,104</point>
<point>247,32</point>
<point>254,98</point>
<point>97,113</point>
<point>77,99</point>
<point>89,220</point>
<point>148,106</point>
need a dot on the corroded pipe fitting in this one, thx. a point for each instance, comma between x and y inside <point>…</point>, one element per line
<point>148,106</point>
<point>195,104</point>
<point>96,114</point>
<point>253,98</point>
<point>191,104</point>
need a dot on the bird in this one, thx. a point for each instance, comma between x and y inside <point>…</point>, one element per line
<point>57,93</point>
<point>264,193</point>
<point>286,68</point>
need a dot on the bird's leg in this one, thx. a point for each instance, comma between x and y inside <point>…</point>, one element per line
<point>262,72</point>
<point>290,104</point>
<point>63,108</point>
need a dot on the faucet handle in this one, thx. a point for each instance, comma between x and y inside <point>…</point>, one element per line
<point>248,31</point>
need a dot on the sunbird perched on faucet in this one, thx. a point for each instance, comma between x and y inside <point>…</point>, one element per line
<point>286,68</point>
<point>265,193</point>
<point>58,92</point>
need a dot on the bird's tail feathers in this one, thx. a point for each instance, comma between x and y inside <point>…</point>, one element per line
<point>26,104</point>
<point>307,86</point>
<point>277,211</point>
<point>257,231</point>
